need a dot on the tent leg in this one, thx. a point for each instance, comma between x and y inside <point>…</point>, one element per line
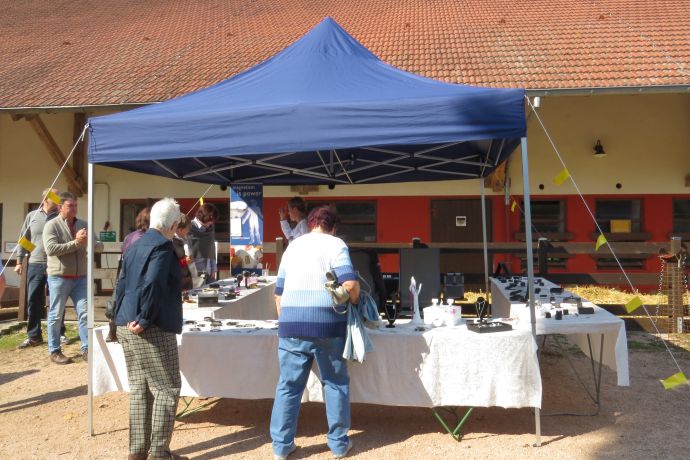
<point>530,267</point>
<point>89,297</point>
<point>486,251</point>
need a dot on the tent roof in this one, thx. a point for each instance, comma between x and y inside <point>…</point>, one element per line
<point>324,110</point>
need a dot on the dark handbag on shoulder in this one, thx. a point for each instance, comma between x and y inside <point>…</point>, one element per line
<point>110,305</point>
<point>110,310</point>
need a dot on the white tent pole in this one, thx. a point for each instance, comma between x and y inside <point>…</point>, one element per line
<point>230,226</point>
<point>89,297</point>
<point>486,251</point>
<point>530,267</point>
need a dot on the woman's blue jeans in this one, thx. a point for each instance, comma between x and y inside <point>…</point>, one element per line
<point>295,356</point>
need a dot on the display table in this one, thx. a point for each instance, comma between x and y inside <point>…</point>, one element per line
<point>440,367</point>
<point>579,328</point>
<point>249,304</point>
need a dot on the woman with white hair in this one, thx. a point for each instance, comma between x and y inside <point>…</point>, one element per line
<point>148,314</point>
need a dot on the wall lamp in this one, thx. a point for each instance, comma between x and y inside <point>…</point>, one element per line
<point>599,151</point>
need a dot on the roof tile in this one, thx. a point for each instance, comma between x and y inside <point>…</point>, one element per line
<point>92,52</point>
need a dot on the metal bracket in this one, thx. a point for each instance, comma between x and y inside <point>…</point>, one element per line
<point>186,411</point>
<point>455,433</point>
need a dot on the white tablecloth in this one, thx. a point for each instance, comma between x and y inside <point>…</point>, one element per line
<point>615,354</point>
<point>440,367</point>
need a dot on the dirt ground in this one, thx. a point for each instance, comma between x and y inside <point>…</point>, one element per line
<point>43,415</point>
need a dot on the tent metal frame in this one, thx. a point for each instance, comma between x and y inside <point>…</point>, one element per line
<point>334,170</point>
<point>333,177</point>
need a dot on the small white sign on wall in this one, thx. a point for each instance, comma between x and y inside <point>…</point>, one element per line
<point>10,246</point>
<point>461,221</point>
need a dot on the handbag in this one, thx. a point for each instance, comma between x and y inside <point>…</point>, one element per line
<point>110,310</point>
<point>339,294</point>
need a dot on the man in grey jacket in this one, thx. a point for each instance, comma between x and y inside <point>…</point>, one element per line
<point>36,276</point>
<point>65,241</point>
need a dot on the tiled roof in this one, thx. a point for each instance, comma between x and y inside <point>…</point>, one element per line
<point>94,52</point>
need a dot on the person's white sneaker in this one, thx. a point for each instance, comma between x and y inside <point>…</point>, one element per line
<point>284,457</point>
<point>344,454</point>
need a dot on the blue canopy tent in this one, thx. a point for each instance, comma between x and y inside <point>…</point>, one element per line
<point>324,110</point>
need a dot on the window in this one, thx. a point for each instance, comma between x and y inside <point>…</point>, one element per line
<point>357,219</point>
<point>619,210</point>
<point>548,221</point>
<point>548,216</point>
<point>620,217</point>
<point>129,210</point>
<point>222,227</point>
<point>681,215</point>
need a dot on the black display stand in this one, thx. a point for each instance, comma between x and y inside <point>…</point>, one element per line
<point>487,327</point>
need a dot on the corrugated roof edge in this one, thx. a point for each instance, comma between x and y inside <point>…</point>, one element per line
<point>608,90</point>
<point>530,92</point>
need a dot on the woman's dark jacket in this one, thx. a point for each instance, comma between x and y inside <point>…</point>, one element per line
<point>202,241</point>
<point>178,244</point>
<point>149,287</point>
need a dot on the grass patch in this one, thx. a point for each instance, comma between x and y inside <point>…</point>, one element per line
<point>642,341</point>
<point>647,345</point>
<point>12,339</point>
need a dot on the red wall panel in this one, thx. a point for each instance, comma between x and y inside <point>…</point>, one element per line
<point>401,218</point>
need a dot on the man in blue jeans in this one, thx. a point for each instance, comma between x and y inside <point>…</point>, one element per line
<point>36,276</point>
<point>310,329</point>
<point>65,239</point>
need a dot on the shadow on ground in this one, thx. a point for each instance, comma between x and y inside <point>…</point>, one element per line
<point>43,399</point>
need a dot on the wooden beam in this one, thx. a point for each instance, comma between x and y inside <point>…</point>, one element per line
<point>497,179</point>
<point>74,180</point>
<point>79,155</point>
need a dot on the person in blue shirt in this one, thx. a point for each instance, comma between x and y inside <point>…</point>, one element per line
<point>148,315</point>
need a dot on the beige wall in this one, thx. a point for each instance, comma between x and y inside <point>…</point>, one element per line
<point>25,167</point>
<point>647,137</point>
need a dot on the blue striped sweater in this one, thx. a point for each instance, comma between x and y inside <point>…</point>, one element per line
<point>306,307</point>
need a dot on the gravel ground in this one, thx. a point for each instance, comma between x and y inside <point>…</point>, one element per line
<point>43,415</point>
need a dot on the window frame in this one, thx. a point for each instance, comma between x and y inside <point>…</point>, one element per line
<point>636,221</point>
<point>142,202</point>
<point>675,231</point>
<point>561,221</point>
<point>346,222</point>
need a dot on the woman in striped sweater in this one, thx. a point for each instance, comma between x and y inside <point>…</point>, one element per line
<point>311,329</point>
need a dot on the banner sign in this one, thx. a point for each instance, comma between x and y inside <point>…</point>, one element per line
<point>246,215</point>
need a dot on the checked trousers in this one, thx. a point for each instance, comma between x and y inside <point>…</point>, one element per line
<point>153,371</point>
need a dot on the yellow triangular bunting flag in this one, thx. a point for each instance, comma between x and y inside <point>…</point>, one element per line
<point>674,380</point>
<point>52,196</point>
<point>513,205</point>
<point>601,240</point>
<point>26,244</point>
<point>561,177</point>
<point>633,305</point>
<point>201,201</point>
